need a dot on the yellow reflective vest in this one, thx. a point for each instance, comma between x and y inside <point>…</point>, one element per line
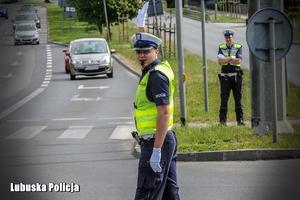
<point>233,50</point>
<point>146,111</point>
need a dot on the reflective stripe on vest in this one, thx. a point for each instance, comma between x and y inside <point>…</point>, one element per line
<point>145,110</point>
<point>225,51</point>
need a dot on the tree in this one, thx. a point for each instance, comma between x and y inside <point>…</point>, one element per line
<point>92,11</point>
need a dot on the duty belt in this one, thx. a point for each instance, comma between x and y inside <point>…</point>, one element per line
<point>229,74</point>
<point>148,136</point>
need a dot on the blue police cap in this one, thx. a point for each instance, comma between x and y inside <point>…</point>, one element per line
<point>145,41</point>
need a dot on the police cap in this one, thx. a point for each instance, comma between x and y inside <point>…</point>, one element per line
<point>228,33</point>
<point>145,41</point>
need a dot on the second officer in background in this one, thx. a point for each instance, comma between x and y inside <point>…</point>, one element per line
<point>230,58</point>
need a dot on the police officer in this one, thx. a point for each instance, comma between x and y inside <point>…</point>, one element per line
<point>153,105</point>
<point>230,58</point>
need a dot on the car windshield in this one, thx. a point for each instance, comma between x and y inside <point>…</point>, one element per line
<point>29,27</point>
<point>27,8</point>
<point>87,47</point>
<point>24,17</point>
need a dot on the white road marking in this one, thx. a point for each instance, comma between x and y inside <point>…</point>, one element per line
<point>122,133</point>
<point>75,132</point>
<point>24,120</point>
<point>15,63</point>
<point>26,132</point>
<point>112,118</point>
<point>100,87</point>
<point>75,98</point>
<point>8,75</point>
<point>20,103</point>
<point>68,119</point>
<point>19,53</point>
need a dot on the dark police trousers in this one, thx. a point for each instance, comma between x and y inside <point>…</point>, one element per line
<point>161,185</point>
<point>233,83</point>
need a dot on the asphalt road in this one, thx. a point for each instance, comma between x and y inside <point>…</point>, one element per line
<point>71,140</point>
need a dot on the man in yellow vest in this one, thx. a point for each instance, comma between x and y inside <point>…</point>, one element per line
<point>154,108</point>
<point>230,58</point>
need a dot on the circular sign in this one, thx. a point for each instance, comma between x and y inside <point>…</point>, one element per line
<point>258,34</point>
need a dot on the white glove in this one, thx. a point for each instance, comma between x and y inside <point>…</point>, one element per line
<point>233,57</point>
<point>140,19</point>
<point>155,160</point>
<point>221,56</point>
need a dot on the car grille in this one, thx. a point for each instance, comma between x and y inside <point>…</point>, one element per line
<point>26,36</point>
<point>92,71</point>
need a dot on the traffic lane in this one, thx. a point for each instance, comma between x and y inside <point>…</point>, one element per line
<point>54,110</point>
<point>83,96</point>
<point>18,62</point>
<point>247,180</point>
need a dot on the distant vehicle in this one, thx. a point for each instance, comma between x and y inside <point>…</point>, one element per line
<point>90,57</point>
<point>26,33</point>
<point>4,12</point>
<point>26,17</point>
<point>27,8</point>
<point>9,1</point>
<point>66,57</point>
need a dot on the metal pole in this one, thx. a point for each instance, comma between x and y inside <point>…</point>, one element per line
<point>108,36</point>
<point>216,11</point>
<point>180,60</point>
<point>158,32</point>
<point>204,57</point>
<point>273,77</point>
<point>254,65</point>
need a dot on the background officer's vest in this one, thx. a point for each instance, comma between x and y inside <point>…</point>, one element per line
<point>233,51</point>
<point>145,110</point>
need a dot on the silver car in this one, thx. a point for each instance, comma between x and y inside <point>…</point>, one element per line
<point>90,57</point>
<point>26,17</point>
<point>26,33</point>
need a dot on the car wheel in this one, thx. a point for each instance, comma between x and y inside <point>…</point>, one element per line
<point>110,75</point>
<point>66,70</point>
<point>16,44</point>
<point>72,77</point>
<point>38,43</point>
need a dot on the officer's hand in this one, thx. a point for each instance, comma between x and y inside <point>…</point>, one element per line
<point>140,19</point>
<point>155,160</point>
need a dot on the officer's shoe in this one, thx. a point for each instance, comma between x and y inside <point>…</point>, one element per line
<point>241,123</point>
<point>222,123</point>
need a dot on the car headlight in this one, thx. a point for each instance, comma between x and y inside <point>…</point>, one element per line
<point>36,35</point>
<point>75,61</point>
<point>106,59</point>
<point>17,36</point>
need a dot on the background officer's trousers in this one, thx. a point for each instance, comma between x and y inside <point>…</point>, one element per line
<point>233,83</point>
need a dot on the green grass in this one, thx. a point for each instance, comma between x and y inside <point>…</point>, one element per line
<point>191,138</point>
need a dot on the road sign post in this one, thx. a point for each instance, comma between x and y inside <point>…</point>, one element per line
<point>268,42</point>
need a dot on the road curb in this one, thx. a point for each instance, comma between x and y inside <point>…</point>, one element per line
<point>233,155</point>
